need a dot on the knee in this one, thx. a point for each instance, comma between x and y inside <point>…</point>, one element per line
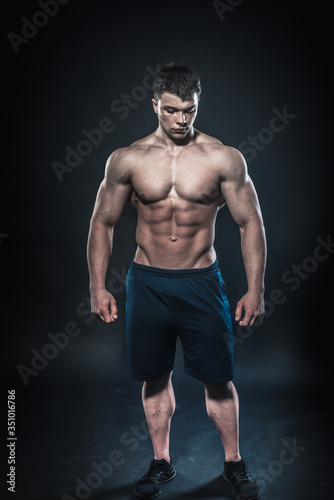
<point>156,385</point>
<point>219,391</point>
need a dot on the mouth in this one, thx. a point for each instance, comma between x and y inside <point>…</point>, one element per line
<point>180,130</point>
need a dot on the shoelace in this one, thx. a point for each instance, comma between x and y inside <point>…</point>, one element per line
<point>240,471</point>
<point>153,471</point>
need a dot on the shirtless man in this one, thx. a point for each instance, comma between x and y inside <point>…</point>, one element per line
<point>178,178</point>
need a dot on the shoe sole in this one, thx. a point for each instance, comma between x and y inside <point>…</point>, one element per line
<point>237,494</point>
<point>142,497</point>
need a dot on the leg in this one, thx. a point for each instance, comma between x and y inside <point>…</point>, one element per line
<point>159,406</point>
<point>222,404</point>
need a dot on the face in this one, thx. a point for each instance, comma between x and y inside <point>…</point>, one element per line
<point>176,117</point>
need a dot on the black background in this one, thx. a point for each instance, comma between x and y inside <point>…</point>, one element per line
<point>262,56</point>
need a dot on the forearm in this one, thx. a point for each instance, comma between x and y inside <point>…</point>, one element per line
<point>99,248</point>
<point>254,253</point>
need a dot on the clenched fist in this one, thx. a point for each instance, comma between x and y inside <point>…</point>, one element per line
<point>103,305</point>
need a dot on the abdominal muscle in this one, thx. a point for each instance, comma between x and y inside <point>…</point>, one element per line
<point>175,237</point>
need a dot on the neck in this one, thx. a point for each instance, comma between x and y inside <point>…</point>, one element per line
<point>171,143</point>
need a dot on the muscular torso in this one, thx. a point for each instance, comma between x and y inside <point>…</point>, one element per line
<point>177,195</point>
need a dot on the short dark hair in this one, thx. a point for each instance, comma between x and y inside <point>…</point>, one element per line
<point>177,79</point>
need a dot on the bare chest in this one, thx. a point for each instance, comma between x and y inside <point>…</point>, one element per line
<point>183,177</point>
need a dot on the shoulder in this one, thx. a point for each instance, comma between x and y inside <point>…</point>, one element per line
<point>217,147</point>
<point>231,163</point>
<point>118,166</point>
<point>207,142</point>
<point>125,156</point>
<point>233,160</point>
<point>227,159</point>
<point>122,160</point>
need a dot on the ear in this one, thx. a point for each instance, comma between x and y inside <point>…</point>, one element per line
<point>155,105</point>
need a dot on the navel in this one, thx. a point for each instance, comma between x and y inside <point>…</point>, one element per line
<point>173,238</point>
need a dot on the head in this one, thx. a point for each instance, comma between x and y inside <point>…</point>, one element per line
<point>176,90</point>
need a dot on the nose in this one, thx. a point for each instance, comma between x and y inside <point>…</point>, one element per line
<point>181,118</point>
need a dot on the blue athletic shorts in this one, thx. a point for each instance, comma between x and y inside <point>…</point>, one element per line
<point>190,303</point>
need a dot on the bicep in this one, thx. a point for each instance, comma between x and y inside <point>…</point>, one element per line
<point>112,195</point>
<point>239,193</point>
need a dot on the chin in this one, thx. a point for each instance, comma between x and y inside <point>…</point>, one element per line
<point>174,135</point>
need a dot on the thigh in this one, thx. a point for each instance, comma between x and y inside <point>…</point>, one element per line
<point>206,333</point>
<point>151,339</point>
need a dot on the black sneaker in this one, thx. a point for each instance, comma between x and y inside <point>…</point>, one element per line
<point>150,486</point>
<point>243,485</point>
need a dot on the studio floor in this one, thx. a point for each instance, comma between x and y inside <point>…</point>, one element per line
<point>91,441</point>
